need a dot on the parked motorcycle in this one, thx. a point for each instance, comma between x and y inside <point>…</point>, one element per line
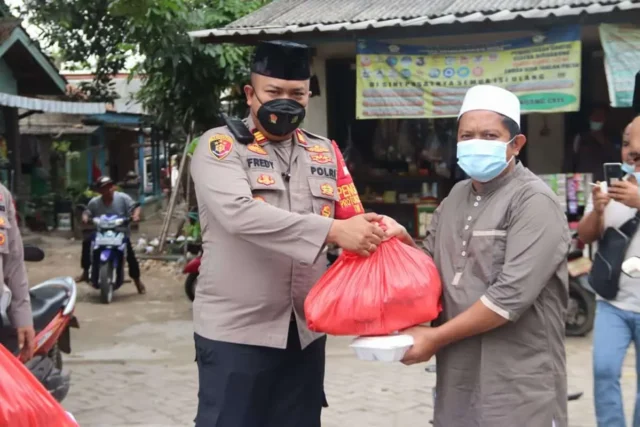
<point>192,270</point>
<point>581,310</point>
<point>52,305</point>
<point>108,254</point>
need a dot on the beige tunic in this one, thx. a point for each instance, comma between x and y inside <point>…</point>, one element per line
<point>505,246</point>
<point>12,269</point>
<point>263,236</point>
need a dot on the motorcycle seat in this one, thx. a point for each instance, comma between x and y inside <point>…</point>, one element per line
<point>45,304</point>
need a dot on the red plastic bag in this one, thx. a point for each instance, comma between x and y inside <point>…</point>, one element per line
<point>397,287</point>
<point>24,402</point>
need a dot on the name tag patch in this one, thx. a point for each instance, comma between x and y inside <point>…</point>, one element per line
<point>324,171</point>
<point>253,162</point>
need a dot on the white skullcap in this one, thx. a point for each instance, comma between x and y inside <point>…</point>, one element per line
<point>491,98</point>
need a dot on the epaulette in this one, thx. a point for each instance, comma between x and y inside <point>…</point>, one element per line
<point>238,129</point>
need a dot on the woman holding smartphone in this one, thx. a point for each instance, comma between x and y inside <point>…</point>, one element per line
<point>617,321</point>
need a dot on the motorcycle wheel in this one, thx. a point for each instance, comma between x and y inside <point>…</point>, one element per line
<point>106,283</point>
<point>190,285</point>
<point>581,311</point>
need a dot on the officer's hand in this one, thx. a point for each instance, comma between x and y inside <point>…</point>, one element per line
<point>26,342</point>
<point>360,234</point>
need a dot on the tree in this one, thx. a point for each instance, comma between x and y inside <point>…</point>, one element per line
<point>80,31</point>
<point>183,80</point>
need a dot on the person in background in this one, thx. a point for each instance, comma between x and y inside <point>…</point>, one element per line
<point>14,292</point>
<point>593,148</point>
<point>500,241</point>
<point>110,202</point>
<point>617,322</point>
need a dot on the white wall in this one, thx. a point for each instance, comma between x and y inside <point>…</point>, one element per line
<point>545,153</point>
<point>316,118</point>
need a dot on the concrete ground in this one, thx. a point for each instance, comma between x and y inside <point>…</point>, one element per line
<point>132,362</point>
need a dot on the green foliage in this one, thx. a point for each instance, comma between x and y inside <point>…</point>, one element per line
<point>183,80</point>
<point>79,30</point>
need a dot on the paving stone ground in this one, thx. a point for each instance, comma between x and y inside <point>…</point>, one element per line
<point>132,365</point>
<point>144,375</point>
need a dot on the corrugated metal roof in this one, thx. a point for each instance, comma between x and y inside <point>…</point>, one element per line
<point>302,16</point>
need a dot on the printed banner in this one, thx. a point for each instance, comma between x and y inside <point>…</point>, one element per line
<point>621,44</point>
<point>410,81</point>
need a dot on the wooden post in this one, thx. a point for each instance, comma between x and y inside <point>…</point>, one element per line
<point>172,201</point>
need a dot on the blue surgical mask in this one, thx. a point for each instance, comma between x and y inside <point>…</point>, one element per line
<point>630,170</point>
<point>596,126</point>
<point>483,160</point>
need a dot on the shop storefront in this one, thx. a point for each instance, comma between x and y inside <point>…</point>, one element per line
<point>391,87</point>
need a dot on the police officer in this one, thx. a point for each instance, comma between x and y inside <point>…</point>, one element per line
<point>267,194</point>
<point>14,291</point>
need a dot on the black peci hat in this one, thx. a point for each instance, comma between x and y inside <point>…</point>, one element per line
<point>282,60</point>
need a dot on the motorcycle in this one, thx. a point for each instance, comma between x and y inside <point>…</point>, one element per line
<point>52,305</point>
<point>108,254</point>
<point>581,310</point>
<point>192,270</point>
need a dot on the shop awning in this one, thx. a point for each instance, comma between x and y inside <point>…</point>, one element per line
<point>57,130</point>
<point>51,106</point>
<point>311,17</point>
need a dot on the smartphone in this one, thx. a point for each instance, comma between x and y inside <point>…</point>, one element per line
<point>613,172</point>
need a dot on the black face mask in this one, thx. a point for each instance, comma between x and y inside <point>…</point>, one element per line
<point>280,117</point>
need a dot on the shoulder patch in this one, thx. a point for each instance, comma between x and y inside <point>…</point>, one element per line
<point>220,145</point>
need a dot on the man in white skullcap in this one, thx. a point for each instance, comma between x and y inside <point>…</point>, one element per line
<point>500,241</point>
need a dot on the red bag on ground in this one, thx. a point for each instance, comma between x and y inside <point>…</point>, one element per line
<point>395,288</point>
<point>24,402</point>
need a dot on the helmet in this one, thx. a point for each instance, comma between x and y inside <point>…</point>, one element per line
<point>103,181</point>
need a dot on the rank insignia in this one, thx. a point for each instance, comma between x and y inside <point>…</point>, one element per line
<point>260,138</point>
<point>255,148</point>
<point>301,138</point>
<point>326,189</point>
<point>220,146</point>
<point>326,211</point>
<point>317,149</point>
<point>321,158</point>
<point>265,179</point>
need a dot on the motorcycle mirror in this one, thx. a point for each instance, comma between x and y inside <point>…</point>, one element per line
<point>631,267</point>
<point>33,253</point>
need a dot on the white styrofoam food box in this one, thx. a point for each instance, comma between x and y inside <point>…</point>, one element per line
<point>389,348</point>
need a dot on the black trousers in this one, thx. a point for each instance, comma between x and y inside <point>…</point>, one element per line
<point>251,386</point>
<point>85,259</point>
